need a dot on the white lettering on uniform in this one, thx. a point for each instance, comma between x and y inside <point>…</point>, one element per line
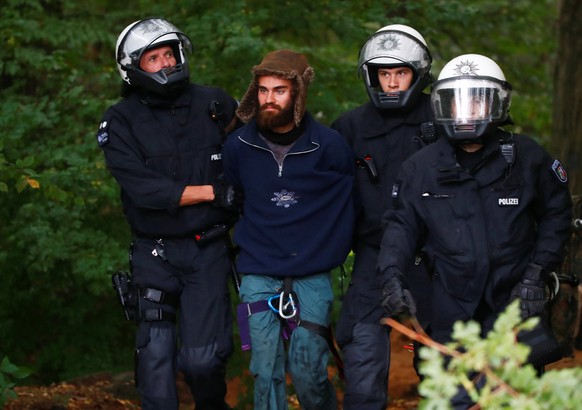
<point>508,201</point>
<point>215,157</point>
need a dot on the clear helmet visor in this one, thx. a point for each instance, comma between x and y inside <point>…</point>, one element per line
<point>470,101</point>
<point>145,34</point>
<point>393,48</point>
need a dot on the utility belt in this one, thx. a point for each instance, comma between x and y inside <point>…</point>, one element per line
<point>143,304</point>
<point>202,238</point>
<point>213,233</point>
<point>285,306</point>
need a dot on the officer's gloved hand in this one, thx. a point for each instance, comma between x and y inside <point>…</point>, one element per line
<point>396,299</point>
<point>225,195</point>
<point>530,291</point>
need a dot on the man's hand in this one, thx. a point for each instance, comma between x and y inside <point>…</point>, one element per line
<point>396,299</point>
<point>225,195</point>
<point>530,291</point>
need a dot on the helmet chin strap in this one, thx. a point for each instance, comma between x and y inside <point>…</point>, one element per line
<point>168,82</point>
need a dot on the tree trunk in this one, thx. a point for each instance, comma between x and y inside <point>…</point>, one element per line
<point>567,111</point>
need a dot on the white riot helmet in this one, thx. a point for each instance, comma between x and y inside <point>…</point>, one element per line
<point>395,45</point>
<point>471,97</point>
<point>147,34</point>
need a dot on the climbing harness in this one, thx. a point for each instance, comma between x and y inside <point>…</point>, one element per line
<point>287,310</point>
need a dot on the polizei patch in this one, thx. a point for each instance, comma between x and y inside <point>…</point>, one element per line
<point>508,201</point>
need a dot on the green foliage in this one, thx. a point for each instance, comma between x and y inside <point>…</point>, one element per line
<point>509,381</point>
<point>56,250</point>
<point>9,372</point>
<point>63,230</point>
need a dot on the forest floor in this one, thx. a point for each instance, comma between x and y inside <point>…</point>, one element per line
<point>116,392</point>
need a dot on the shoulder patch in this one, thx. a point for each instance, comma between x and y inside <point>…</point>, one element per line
<point>103,133</point>
<point>560,171</point>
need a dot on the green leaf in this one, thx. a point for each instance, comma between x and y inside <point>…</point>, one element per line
<point>25,162</point>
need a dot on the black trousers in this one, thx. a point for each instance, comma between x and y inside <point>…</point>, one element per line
<point>200,342</point>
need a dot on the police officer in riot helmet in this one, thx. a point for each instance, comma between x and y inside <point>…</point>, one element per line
<point>394,64</point>
<point>489,209</point>
<point>471,99</point>
<point>395,47</point>
<point>162,143</point>
<point>164,69</point>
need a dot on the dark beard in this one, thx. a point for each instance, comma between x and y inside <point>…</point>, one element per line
<point>270,120</point>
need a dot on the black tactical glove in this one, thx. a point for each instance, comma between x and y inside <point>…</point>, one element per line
<point>396,299</point>
<point>225,195</point>
<point>530,291</point>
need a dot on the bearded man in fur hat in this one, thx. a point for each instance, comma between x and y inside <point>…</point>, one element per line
<point>297,179</point>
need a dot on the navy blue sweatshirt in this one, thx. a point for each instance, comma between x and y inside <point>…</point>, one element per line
<point>298,214</point>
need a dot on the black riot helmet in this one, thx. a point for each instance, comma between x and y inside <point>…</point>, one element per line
<point>149,34</point>
<point>395,45</point>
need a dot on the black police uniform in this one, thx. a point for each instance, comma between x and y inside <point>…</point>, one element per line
<point>479,228</point>
<point>154,147</point>
<point>381,141</point>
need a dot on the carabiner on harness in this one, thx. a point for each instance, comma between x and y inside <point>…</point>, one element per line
<point>270,302</point>
<point>283,307</point>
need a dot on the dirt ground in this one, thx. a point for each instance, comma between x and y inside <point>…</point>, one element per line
<point>116,392</point>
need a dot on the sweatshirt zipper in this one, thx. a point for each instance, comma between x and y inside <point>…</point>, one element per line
<point>280,165</point>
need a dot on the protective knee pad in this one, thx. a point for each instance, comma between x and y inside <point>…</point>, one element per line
<point>200,363</point>
<point>155,361</point>
<point>204,372</point>
<point>366,364</point>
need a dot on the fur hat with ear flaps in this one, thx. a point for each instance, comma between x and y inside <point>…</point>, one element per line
<point>285,64</point>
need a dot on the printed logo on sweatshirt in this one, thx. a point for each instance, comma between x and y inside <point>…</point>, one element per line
<point>285,198</point>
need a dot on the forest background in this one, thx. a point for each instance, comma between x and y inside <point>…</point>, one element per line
<point>62,230</point>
